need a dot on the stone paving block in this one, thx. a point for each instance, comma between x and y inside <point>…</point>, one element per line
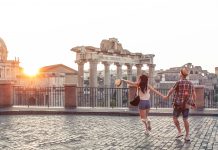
<point>103,132</point>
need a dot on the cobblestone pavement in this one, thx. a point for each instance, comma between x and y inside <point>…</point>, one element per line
<point>69,132</point>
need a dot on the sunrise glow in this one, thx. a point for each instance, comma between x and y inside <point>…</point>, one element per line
<point>31,71</point>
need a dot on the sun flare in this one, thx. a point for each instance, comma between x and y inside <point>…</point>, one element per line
<point>31,71</point>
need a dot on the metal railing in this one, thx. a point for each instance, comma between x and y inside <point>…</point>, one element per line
<point>94,97</point>
<point>158,102</point>
<point>118,97</point>
<point>114,97</point>
<point>210,98</point>
<point>102,97</point>
<point>32,96</point>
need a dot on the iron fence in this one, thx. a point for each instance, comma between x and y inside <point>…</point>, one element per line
<point>94,97</point>
<point>210,98</point>
<point>33,96</point>
<point>118,97</point>
<point>102,97</point>
<point>158,102</point>
<point>114,97</point>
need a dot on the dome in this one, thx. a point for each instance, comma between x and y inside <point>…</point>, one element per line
<point>3,50</point>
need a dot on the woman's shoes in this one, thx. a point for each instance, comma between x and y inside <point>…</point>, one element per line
<point>146,132</point>
<point>149,125</point>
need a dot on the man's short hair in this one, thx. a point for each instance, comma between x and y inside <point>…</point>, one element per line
<point>184,71</point>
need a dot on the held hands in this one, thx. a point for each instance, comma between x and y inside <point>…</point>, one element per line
<point>123,80</point>
<point>165,97</point>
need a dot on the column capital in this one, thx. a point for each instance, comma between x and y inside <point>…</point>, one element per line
<point>106,63</point>
<point>118,64</point>
<point>139,65</point>
<point>80,62</point>
<point>151,65</point>
<point>129,65</point>
<point>93,61</point>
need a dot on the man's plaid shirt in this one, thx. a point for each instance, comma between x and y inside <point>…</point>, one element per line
<point>183,91</point>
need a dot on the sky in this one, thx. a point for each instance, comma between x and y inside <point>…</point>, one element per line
<point>42,32</point>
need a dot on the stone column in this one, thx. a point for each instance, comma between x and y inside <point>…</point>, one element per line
<point>70,96</point>
<point>93,81</point>
<point>6,94</point>
<point>107,80</point>
<point>129,71</point>
<point>119,70</point>
<point>151,74</point>
<point>93,73</point>
<point>119,76</point>
<point>139,70</point>
<point>106,74</point>
<point>80,73</point>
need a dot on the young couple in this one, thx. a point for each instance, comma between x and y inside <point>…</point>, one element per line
<point>183,94</point>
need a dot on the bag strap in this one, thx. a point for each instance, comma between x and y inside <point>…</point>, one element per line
<point>137,91</point>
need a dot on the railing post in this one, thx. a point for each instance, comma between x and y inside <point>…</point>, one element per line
<point>6,94</point>
<point>70,96</point>
<point>199,89</point>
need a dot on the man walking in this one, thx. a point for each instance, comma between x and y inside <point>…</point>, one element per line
<point>183,98</point>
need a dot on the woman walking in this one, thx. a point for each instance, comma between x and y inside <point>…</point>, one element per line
<point>143,89</point>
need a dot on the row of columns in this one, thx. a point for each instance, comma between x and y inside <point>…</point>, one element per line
<point>93,72</point>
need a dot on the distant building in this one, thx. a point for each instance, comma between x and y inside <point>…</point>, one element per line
<point>216,71</point>
<point>59,74</point>
<point>198,76</point>
<point>51,76</point>
<point>9,69</point>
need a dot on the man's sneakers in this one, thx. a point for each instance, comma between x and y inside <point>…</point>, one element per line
<point>187,138</point>
<point>179,135</point>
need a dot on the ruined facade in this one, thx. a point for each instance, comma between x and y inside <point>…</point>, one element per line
<point>197,75</point>
<point>110,52</point>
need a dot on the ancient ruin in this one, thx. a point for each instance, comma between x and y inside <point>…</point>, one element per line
<point>110,52</point>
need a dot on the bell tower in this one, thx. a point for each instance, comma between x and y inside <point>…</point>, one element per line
<point>3,51</point>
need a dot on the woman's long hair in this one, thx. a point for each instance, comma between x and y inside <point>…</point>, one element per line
<point>143,84</point>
